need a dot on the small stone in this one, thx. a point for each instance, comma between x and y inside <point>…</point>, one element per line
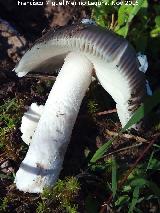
<point>6,167</point>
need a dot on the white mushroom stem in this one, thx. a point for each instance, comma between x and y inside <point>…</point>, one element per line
<point>43,162</point>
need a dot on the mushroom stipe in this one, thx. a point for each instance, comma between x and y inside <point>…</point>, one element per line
<point>77,49</point>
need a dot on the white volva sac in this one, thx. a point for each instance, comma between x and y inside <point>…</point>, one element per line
<point>43,162</point>
<point>29,123</point>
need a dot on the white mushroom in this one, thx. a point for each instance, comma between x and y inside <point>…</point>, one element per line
<point>83,47</point>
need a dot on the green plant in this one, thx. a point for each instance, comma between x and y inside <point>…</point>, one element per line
<point>137,190</point>
<point>139,21</point>
<point>10,117</point>
<point>61,196</point>
<point>92,106</point>
<point>11,112</point>
<point>41,207</point>
<point>4,204</point>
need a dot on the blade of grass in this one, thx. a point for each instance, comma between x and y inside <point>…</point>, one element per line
<point>114,176</point>
<point>101,151</point>
<point>149,162</point>
<point>157,146</point>
<point>142,182</point>
<point>134,199</point>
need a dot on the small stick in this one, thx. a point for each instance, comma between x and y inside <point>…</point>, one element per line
<point>49,77</point>
<point>128,136</point>
<point>106,112</point>
<point>122,149</point>
<point>112,22</point>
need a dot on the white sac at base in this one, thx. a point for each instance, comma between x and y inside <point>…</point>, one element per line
<point>29,122</point>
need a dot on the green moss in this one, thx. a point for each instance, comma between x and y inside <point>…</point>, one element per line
<point>10,117</point>
<point>41,207</point>
<point>11,112</point>
<point>4,204</point>
<point>61,196</point>
<point>92,106</point>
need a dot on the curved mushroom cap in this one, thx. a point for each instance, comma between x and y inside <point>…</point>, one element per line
<point>113,57</point>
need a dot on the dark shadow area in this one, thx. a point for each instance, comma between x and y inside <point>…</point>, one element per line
<point>30,21</point>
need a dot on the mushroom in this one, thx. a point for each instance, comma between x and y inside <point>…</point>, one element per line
<point>81,48</point>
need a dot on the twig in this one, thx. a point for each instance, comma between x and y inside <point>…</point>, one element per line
<point>137,161</point>
<point>121,183</point>
<point>122,149</point>
<point>112,22</point>
<point>128,136</point>
<point>106,112</point>
<point>49,77</point>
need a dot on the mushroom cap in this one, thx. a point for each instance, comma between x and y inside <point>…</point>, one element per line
<point>113,52</point>
<point>51,49</point>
